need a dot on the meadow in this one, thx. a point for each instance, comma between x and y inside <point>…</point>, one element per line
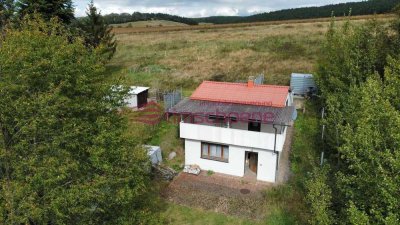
<point>183,59</point>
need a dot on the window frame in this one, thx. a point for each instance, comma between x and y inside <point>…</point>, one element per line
<point>224,148</point>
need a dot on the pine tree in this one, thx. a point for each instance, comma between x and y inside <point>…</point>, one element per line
<point>62,9</point>
<point>97,33</point>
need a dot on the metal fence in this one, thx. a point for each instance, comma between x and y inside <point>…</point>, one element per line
<point>171,99</point>
<point>259,79</point>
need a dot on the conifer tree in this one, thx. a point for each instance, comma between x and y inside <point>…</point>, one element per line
<point>97,33</point>
<point>62,9</point>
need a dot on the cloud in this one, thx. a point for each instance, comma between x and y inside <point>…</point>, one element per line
<point>198,8</point>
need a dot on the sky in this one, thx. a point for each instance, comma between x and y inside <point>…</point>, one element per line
<point>198,8</point>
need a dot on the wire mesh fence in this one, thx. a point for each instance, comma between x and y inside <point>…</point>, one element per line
<point>170,99</point>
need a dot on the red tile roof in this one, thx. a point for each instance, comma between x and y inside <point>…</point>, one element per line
<point>241,93</point>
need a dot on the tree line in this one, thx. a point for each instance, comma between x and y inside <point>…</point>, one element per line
<point>65,154</point>
<point>357,8</point>
<point>115,18</point>
<point>359,78</point>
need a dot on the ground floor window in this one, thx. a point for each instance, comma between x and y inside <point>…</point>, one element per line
<point>214,152</point>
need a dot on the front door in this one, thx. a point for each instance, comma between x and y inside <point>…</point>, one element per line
<point>253,161</point>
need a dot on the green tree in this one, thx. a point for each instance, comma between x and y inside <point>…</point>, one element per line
<point>359,78</point>
<point>352,54</point>
<point>62,9</point>
<point>65,157</point>
<point>97,33</point>
<point>319,197</point>
<point>369,177</point>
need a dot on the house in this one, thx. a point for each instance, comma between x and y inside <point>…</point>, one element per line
<point>137,97</point>
<point>237,129</point>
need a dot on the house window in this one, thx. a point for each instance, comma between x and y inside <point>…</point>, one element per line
<point>215,152</point>
<point>254,126</point>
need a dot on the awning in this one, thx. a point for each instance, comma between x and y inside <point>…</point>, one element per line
<point>241,112</point>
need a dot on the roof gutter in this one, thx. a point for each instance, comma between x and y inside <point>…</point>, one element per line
<point>275,152</point>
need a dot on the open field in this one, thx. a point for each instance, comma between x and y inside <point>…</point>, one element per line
<point>169,60</point>
<point>152,26</point>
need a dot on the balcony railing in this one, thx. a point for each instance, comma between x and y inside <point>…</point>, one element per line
<point>230,136</point>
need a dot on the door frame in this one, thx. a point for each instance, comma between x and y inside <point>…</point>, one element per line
<point>246,156</point>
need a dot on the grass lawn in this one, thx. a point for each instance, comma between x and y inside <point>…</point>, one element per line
<point>182,215</point>
<point>167,137</point>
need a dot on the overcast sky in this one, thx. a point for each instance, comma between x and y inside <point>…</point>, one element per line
<point>198,8</point>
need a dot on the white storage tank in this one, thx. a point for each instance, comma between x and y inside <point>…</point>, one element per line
<point>301,84</point>
<point>154,152</point>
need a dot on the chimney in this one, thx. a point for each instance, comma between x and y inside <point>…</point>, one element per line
<point>250,82</point>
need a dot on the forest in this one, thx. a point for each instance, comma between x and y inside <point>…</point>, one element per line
<point>115,18</point>
<point>356,8</point>
<point>359,80</point>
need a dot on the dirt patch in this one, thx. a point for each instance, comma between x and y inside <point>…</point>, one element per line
<point>219,193</point>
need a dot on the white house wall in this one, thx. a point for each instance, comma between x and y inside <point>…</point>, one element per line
<point>266,168</point>
<point>234,167</point>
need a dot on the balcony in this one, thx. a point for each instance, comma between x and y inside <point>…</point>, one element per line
<point>232,136</point>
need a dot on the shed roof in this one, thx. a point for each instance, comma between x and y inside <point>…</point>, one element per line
<point>134,90</point>
<point>241,93</point>
<point>302,75</point>
<point>267,114</point>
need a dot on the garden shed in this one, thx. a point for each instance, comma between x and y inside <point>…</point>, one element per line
<point>137,97</point>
